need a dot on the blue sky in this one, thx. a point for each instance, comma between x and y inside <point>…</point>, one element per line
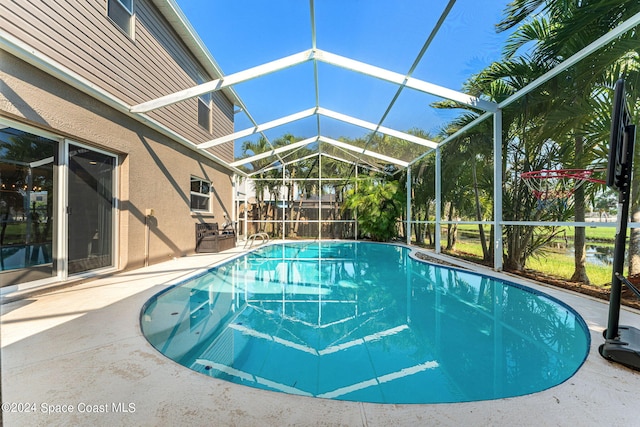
<point>389,34</point>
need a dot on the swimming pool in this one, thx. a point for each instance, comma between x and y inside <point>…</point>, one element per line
<point>365,322</point>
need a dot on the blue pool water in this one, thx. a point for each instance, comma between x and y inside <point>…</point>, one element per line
<point>365,322</point>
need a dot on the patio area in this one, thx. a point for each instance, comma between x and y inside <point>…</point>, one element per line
<point>75,355</point>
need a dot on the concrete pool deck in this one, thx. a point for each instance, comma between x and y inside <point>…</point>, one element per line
<point>75,355</point>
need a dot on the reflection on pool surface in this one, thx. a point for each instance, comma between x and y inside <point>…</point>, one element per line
<point>20,256</point>
<point>364,321</point>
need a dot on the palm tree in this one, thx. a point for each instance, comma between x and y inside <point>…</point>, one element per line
<point>558,30</point>
<point>474,155</point>
<point>403,150</point>
<point>422,197</point>
<point>525,148</point>
<point>265,180</point>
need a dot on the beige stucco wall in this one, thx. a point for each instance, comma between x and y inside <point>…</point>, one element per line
<point>154,171</point>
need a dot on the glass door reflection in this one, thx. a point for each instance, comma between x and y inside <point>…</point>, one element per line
<point>27,196</point>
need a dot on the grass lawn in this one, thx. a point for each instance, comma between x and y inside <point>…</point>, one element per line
<point>561,265</point>
<point>597,234</point>
<point>549,262</point>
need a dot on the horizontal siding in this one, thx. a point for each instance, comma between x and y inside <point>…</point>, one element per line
<point>162,37</point>
<point>223,115</point>
<point>80,36</point>
<point>222,125</point>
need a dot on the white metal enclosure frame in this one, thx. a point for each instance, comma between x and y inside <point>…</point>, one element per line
<point>315,56</point>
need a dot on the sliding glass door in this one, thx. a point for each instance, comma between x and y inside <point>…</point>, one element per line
<point>28,191</point>
<point>90,209</point>
<point>57,207</point>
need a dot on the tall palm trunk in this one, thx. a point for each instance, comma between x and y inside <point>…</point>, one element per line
<point>289,204</point>
<point>579,240</point>
<point>634,245</point>
<point>418,228</point>
<point>452,229</point>
<point>428,228</point>
<point>296,224</point>
<point>476,193</point>
<point>634,233</point>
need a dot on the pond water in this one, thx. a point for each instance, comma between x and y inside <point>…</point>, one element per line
<point>596,254</point>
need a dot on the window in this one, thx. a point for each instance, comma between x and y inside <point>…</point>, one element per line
<point>204,113</point>
<point>200,195</point>
<point>121,13</point>
<point>204,107</point>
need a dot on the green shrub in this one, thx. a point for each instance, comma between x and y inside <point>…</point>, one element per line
<point>378,205</point>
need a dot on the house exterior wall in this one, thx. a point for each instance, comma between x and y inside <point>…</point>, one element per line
<point>152,63</point>
<point>154,170</point>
